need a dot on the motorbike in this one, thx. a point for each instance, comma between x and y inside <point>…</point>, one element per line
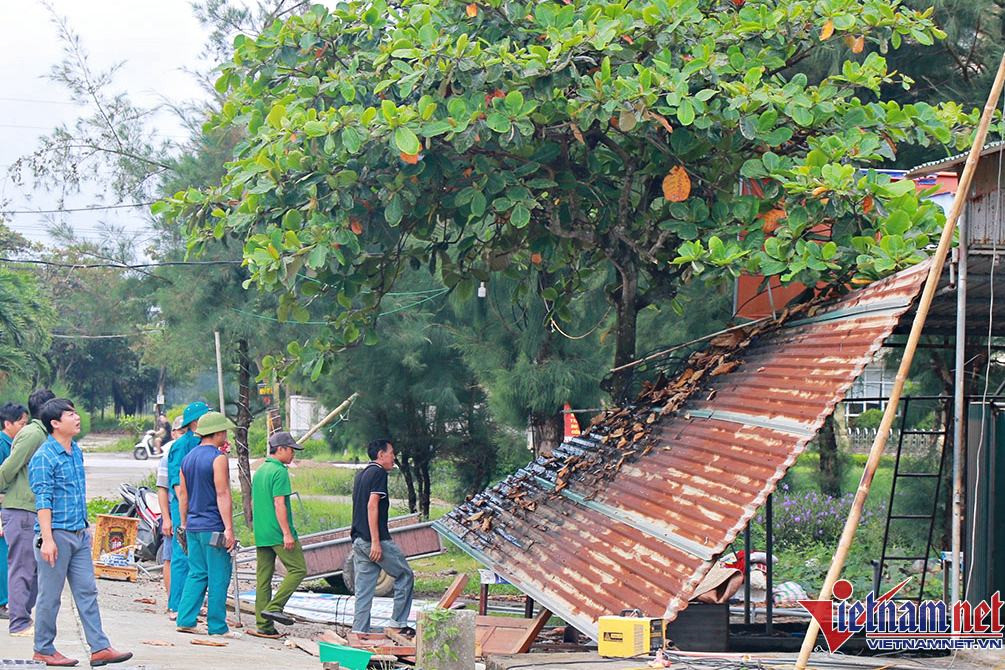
<point>141,503</point>
<point>146,447</point>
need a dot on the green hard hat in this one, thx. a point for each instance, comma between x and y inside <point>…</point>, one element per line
<point>213,422</point>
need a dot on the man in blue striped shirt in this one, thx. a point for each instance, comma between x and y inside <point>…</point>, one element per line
<point>63,548</point>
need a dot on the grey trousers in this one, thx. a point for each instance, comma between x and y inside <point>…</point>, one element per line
<point>73,565</point>
<point>393,562</point>
<point>22,573</point>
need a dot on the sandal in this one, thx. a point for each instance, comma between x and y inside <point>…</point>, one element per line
<point>268,635</point>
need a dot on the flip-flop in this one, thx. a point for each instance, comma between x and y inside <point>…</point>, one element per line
<point>279,617</point>
<point>190,630</point>
<point>267,636</point>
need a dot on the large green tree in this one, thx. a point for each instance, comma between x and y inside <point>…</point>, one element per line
<point>577,137</point>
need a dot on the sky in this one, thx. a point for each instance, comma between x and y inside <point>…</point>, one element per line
<point>157,39</point>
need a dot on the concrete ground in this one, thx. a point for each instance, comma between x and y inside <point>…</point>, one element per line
<point>821,661</point>
<point>144,629</point>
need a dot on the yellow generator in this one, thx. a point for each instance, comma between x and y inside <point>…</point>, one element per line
<point>629,634</point>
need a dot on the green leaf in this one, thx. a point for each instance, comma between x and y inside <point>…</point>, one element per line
<point>352,139</point>
<point>317,257</point>
<point>519,216</point>
<point>319,365</point>
<point>514,102</point>
<point>685,112</point>
<point>393,211</point>
<point>498,122</point>
<point>292,219</point>
<point>899,222</point>
<point>406,141</point>
<point>276,116</point>
<point>478,203</point>
<point>315,129</point>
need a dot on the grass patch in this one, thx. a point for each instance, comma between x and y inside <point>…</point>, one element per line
<point>320,480</point>
<point>122,445</point>
<point>98,506</point>
<point>434,574</point>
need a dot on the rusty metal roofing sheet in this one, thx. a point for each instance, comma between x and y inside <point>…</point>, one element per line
<point>588,533</point>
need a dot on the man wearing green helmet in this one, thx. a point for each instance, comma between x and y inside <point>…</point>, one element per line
<point>179,450</point>
<point>207,522</point>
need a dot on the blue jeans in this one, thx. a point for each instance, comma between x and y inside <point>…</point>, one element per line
<point>209,570</point>
<point>73,565</point>
<point>179,562</point>
<point>3,572</point>
<point>393,562</point>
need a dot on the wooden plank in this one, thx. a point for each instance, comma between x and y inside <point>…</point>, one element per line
<point>453,592</point>
<point>118,573</point>
<point>400,639</point>
<point>303,644</point>
<point>497,635</point>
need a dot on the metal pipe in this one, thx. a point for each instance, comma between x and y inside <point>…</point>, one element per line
<point>746,574</point>
<point>769,542</point>
<point>219,367</point>
<point>959,374</point>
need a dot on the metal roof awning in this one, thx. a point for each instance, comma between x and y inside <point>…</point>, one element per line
<point>588,532</point>
<point>951,161</point>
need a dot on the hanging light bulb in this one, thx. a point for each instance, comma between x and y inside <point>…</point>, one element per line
<point>482,291</point>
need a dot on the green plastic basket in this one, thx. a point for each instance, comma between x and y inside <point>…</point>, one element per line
<point>347,657</point>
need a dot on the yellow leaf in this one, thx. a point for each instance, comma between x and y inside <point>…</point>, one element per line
<point>858,44</point>
<point>578,134</point>
<point>827,30</point>
<point>411,159</point>
<point>677,184</point>
<point>867,204</point>
<point>472,10</point>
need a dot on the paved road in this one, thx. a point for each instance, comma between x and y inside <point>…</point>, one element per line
<point>106,471</point>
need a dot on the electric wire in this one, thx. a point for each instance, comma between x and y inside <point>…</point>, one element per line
<point>68,210</point>
<point>122,266</point>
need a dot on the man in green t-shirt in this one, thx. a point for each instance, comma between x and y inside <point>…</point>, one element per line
<point>275,535</point>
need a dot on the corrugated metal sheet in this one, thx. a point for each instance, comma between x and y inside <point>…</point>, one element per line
<point>641,532</point>
<point>952,161</point>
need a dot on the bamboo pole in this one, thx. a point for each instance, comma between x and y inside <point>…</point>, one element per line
<point>931,283</point>
<point>325,421</point>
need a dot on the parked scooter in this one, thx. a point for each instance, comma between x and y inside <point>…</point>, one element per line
<point>146,447</point>
<point>141,503</point>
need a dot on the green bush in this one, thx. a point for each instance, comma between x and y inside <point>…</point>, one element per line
<point>135,425</point>
<point>870,418</point>
<point>85,422</point>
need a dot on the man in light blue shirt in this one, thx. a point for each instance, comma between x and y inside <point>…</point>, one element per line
<point>63,549</point>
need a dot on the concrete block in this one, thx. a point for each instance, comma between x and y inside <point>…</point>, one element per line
<point>445,640</point>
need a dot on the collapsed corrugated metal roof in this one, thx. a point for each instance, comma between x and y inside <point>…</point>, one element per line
<point>633,515</point>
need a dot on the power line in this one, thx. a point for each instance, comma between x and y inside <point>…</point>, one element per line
<point>43,102</point>
<point>75,336</point>
<point>122,266</point>
<point>76,209</point>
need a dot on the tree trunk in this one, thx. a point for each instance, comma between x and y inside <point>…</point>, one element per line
<point>546,432</point>
<point>243,421</point>
<point>830,460</point>
<point>406,472</point>
<point>424,497</point>
<point>627,308</point>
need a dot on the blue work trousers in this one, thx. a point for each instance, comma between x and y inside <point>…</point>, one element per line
<point>179,562</point>
<point>209,571</point>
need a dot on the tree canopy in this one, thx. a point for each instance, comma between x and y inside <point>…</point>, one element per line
<point>574,138</point>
